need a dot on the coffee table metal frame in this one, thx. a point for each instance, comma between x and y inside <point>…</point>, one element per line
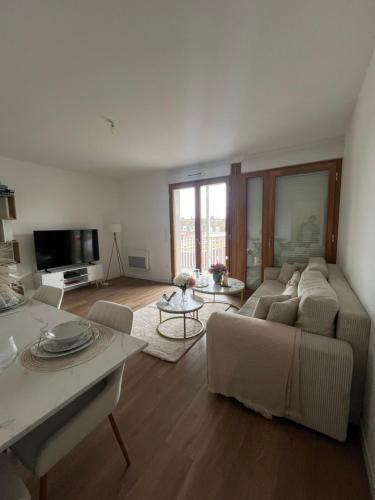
<point>181,313</point>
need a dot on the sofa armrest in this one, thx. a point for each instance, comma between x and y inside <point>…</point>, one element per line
<point>325,373</point>
<point>271,273</point>
<point>326,369</point>
<point>231,338</point>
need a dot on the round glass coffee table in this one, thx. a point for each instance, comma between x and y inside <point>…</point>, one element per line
<point>234,287</point>
<point>187,311</point>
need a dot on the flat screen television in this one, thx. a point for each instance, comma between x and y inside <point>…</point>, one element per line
<point>65,247</point>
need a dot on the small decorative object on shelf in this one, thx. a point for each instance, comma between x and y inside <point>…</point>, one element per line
<point>9,298</point>
<point>184,281</point>
<point>217,270</point>
<point>9,251</point>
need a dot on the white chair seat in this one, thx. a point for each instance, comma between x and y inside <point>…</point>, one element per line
<point>11,486</point>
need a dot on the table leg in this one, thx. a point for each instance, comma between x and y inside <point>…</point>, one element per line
<point>159,316</point>
<point>184,326</point>
<point>241,296</point>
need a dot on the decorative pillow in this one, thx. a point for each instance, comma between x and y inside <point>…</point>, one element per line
<point>286,272</point>
<point>264,304</point>
<point>291,290</point>
<point>294,280</point>
<point>318,304</point>
<point>284,312</point>
<point>318,264</point>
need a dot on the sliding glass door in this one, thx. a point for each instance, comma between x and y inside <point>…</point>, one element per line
<point>301,207</point>
<point>199,220</point>
<point>254,232</point>
<point>184,229</point>
<point>213,224</point>
<point>291,215</point>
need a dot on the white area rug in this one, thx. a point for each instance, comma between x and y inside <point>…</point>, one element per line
<point>145,323</point>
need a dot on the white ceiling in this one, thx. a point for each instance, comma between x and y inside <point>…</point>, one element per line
<point>185,81</point>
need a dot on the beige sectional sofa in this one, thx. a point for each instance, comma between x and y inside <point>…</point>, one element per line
<point>332,353</point>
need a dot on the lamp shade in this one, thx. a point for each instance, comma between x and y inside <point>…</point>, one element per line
<point>115,228</point>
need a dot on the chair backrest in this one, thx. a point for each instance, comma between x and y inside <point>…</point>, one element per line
<point>119,318</point>
<point>50,295</point>
<point>11,486</point>
<point>116,316</point>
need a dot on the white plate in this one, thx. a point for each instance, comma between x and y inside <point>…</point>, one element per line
<point>54,346</point>
<point>39,353</point>
<point>13,306</point>
<point>68,331</point>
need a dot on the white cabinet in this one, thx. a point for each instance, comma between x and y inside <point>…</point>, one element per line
<point>53,279</point>
<point>95,272</point>
<point>70,277</point>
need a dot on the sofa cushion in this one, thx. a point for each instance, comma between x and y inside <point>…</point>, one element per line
<point>318,264</point>
<point>249,307</point>
<point>284,312</point>
<point>268,287</point>
<point>264,304</point>
<point>286,272</point>
<point>294,280</point>
<point>318,304</point>
<point>291,290</point>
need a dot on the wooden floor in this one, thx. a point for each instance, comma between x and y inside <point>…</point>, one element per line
<point>187,444</point>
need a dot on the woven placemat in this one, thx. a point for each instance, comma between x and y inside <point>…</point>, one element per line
<point>33,363</point>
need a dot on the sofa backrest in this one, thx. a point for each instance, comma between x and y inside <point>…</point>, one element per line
<point>318,304</point>
<point>353,326</point>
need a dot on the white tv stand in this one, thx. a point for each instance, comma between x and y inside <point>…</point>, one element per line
<point>70,277</point>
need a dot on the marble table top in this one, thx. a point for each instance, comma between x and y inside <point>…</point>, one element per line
<point>235,286</point>
<point>27,398</point>
<point>177,306</point>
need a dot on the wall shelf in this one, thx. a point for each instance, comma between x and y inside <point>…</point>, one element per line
<point>8,208</point>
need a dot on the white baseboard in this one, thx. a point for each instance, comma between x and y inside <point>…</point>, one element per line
<point>369,466</point>
<point>148,277</point>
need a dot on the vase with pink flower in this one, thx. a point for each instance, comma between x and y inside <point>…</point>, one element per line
<point>218,270</point>
<point>184,281</point>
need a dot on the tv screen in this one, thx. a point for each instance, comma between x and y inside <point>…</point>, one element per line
<point>66,247</point>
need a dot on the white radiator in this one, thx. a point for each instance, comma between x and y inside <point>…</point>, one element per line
<point>137,259</point>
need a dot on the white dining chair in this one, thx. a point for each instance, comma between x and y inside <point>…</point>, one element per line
<point>42,448</point>
<point>50,295</point>
<point>11,485</point>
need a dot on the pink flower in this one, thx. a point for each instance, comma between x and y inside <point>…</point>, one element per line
<point>190,282</point>
<point>218,268</point>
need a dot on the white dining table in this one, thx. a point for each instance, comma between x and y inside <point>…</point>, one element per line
<point>27,398</point>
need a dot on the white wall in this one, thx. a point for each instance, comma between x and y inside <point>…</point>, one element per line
<point>51,198</point>
<point>324,150</point>
<point>357,232</point>
<point>145,200</point>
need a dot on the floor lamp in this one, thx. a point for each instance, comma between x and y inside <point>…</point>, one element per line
<point>115,229</point>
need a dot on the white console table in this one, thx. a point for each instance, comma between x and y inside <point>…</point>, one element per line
<point>70,277</point>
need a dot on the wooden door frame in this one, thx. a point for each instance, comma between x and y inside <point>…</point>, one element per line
<point>333,167</point>
<point>239,210</point>
<point>196,184</point>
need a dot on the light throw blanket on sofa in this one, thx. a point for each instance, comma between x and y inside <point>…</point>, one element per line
<point>269,363</point>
